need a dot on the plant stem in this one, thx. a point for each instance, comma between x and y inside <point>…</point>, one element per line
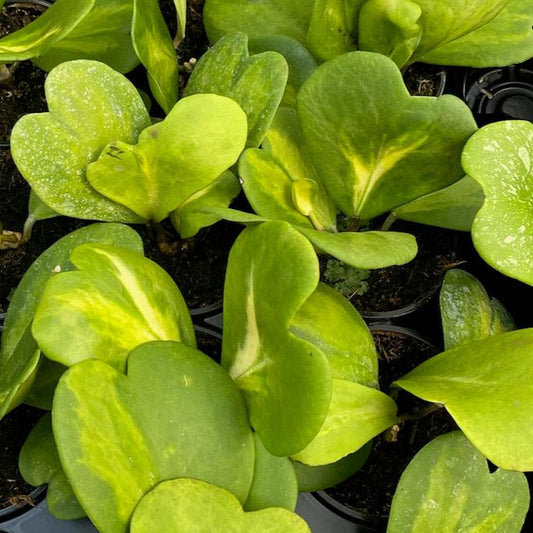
<point>389,221</point>
<point>421,413</point>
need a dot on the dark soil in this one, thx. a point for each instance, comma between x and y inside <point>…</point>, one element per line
<point>14,428</point>
<point>397,287</point>
<point>209,343</point>
<point>24,92</point>
<point>424,80</point>
<point>370,491</point>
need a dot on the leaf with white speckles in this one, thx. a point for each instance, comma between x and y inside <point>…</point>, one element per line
<point>176,414</point>
<point>448,488</point>
<point>90,105</point>
<point>487,387</point>
<point>500,158</point>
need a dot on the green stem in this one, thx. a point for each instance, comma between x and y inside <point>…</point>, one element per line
<point>389,221</point>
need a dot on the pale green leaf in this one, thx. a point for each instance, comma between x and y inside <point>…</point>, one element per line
<point>313,478</point>
<point>274,483</point>
<point>154,48</point>
<point>390,28</point>
<point>104,34</point>
<point>286,381</point>
<point>406,147</point>
<point>51,26</point>
<point>190,218</point>
<point>181,16</point>
<point>486,34</point>
<point>258,19</point>
<point>39,464</point>
<point>333,27</point>
<point>500,158</point>
<point>487,387</point>
<point>115,301</point>
<point>448,488</point>
<point>190,505</point>
<point>19,353</point>
<point>90,105</point>
<point>453,207</point>
<point>201,137</point>
<point>42,391</point>
<point>256,83</point>
<point>501,321</point>
<point>356,415</point>
<point>176,414</point>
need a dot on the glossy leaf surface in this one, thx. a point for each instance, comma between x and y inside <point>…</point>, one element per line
<point>193,505</point>
<point>487,387</point>
<point>500,158</point>
<point>115,301</point>
<point>176,414</point>
<point>90,105</point>
<point>448,487</point>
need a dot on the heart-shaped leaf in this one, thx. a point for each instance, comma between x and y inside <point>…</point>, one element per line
<point>154,48</point>
<point>103,34</point>
<point>19,355</point>
<point>453,207</point>
<point>356,415</point>
<point>52,25</point>
<point>487,386</point>
<point>115,301</point>
<point>487,34</point>
<point>286,381</point>
<point>274,483</point>
<point>176,414</point>
<point>192,505</point>
<point>500,157</point>
<point>448,487</point>
<point>90,105</point>
<point>406,147</point>
<point>201,137</point>
<point>257,19</point>
<point>256,83</point>
<point>39,464</point>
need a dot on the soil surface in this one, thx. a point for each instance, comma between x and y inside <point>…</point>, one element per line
<point>424,80</point>
<point>370,491</point>
<point>14,428</point>
<point>23,92</point>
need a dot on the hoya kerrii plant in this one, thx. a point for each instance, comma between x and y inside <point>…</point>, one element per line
<point>486,34</point>
<point>120,33</point>
<point>330,154</point>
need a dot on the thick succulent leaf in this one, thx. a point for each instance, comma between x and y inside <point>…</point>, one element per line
<point>181,16</point>
<point>256,83</point>
<point>448,487</point>
<point>465,309</point>
<point>453,207</point>
<point>190,218</point>
<point>367,249</point>
<point>189,505</point>
<point>19,353</point>
<point>487,34</point>
<point>176,414</point>
<point>258,19</point>
<point>154,48</point>
<point>487,388</point>
<point>53,25</point>
<point>272,177</point>
<point>201,137</point>
<point>372,162</point>
<point>286,381</point>
<point>333,27</point>
<point>390,28</point>
<point>38,210</point>
<point>501,321</point>
<point>500,158</point>
<point>104,34</point>
<point>343,337</point>
<point>313,478</point>
<point>233,215</point>
<point>90,105</point>
<point>39,464</point>
<point>274,483</point>
<point>356,415</point>
<point>42,391</point>
<point>115,301</point>
<point>301,63</point>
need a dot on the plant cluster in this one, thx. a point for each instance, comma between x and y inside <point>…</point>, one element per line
<point>301,106</point>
